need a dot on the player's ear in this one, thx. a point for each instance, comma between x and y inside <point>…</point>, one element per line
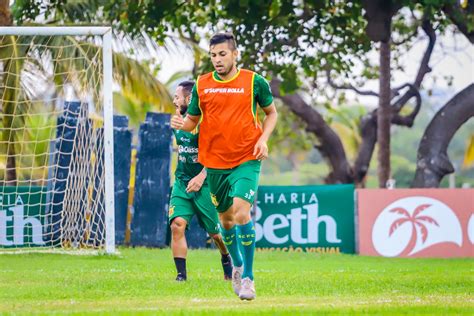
<point>187,99</point>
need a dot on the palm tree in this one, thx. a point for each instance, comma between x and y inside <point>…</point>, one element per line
<point>31,64</point>
<point>62,60</point>
<point>415,220</point>
<point>9,95</point>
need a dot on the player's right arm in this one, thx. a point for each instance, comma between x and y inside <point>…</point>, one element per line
<point>187,123</point>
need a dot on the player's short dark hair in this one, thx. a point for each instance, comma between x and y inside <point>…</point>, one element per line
<point>187,87</point>
<point>223,38</point>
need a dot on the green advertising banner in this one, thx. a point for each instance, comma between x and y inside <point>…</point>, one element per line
<point>316,219</point>
<point>22,216</point>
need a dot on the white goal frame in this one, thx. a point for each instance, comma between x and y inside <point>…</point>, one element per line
<point>106,33</point>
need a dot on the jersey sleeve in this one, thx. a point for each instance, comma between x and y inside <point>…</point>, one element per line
<point>193,107</point>
<point>263,95</point>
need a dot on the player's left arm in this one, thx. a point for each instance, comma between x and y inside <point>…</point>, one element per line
<point>269,122</point>
<point>195,184</point>
<point>265,99</point>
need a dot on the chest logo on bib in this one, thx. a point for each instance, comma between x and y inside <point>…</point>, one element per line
<point>224,90</point>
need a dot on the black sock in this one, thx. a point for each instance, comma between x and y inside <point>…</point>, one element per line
<point>225,258</point>
<point>227,266</point>
<point>180,266</point>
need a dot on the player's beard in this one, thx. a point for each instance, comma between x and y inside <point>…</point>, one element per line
<point>225,70</point>
<point>183,109</point>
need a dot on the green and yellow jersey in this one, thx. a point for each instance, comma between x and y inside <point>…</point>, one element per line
<point>188,166</point>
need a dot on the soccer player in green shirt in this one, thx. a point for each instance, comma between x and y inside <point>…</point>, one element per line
<point>191,194</point>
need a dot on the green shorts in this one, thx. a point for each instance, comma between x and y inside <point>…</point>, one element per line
<point>241,182</point>
<point>186,205</point>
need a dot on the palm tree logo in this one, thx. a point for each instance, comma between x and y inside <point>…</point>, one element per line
<point>416,220</point>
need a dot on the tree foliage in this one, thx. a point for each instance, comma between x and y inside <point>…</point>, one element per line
<point>310,50</point>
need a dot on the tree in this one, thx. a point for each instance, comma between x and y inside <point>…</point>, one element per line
<point>9,96</point>
<point>137,82</point>
<point>345,26</point>
<point>433,161</point>
<point>379,16</point>
<point>5,15</point>
<point>311,49</point>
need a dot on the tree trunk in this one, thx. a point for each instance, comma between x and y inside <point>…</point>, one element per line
<point>5,16</point>
<point>330,147</point>
<point>368,125</point>
<point>384,116</point>
<point>10,174</point>
<point>432,160</point>
<point>368,133</point>
<point>378,14</point>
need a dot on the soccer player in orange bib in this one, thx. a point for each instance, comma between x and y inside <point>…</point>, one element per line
<point>232,143</point>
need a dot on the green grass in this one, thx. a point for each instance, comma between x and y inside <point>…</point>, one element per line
<point>140,281</point>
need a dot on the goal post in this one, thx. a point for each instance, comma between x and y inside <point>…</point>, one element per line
<point>56,139</point>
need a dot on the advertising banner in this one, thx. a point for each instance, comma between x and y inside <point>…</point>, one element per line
<point>416,222</point>
<point>21,216</point>
<point>316,219</point>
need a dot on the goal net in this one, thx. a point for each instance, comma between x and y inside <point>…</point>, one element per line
<point>56,139</point>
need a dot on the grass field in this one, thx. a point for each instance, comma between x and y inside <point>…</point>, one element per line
<point>140,281</point>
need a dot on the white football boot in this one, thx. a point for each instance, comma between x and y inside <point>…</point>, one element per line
<point>237,279</point>
<point>247,290</point>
